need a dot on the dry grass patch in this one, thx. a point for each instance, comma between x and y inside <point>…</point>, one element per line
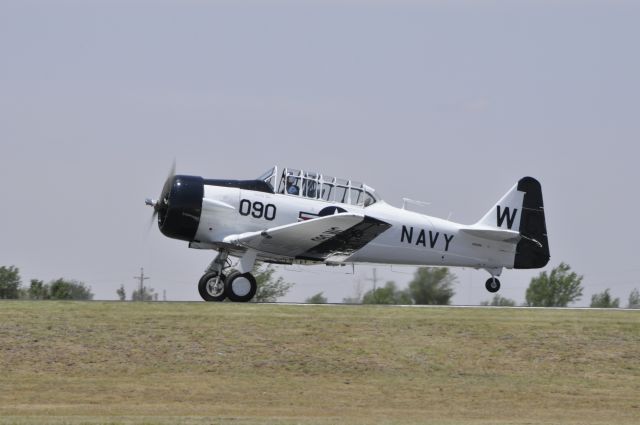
<point>192,363</point>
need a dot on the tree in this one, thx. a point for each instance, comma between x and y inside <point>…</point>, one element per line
<point>432,285</point>
<point>148,294</point>
<point>122,295</point>
<point>9,282</point>
<point>388,294</point>
<point>62,289</point>
<point>556,289</point>
<point>269,288</point>
<point>634,299</point>
<point>38,290</point>
<point>317,299</point>
<point>499,300</point>
<point>604,300</point>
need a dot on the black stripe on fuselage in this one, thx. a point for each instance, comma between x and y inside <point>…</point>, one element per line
<point>255,185</point>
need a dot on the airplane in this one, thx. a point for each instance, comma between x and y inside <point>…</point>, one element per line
<point>291,216</point>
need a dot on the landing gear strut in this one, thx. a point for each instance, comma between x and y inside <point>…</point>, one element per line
<point>214,285</point>
<point>492,284</point>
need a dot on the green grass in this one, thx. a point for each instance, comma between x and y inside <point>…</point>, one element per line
<point>209,363</point>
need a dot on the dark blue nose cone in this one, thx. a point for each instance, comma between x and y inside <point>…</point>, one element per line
<point>180,206</point>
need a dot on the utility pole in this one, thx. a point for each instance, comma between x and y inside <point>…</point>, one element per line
<point>375,284</point>
<point>141,278</point>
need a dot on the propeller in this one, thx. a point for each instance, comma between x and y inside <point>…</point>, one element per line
<point>162,202</point>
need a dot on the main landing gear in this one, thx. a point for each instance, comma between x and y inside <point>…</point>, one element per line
<point>238,287</point>
<point>214,285</point>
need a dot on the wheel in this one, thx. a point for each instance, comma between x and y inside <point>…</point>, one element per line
<point>240,287</point>
<point>211,288</point>
<point>492,284</point>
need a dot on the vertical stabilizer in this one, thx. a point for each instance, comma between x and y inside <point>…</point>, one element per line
<point>521,210</point>
<point>506,213</point>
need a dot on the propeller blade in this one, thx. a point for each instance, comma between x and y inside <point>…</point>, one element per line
<point>161,202</point>
<point>154,218</point>
<point>172,171</point>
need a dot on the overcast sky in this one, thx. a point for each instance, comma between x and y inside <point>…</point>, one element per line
<point>446,102</point>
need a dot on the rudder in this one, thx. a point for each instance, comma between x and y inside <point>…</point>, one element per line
<point>532,251</point>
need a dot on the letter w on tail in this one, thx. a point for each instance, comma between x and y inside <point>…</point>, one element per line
<point>506,212</point>
<point>502,214</point>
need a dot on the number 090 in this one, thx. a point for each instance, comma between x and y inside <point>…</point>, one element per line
<point>257,209</point>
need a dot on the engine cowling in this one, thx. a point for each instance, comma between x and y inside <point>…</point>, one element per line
<point>180,206</point>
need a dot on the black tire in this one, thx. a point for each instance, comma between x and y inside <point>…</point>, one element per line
<point>492,285</point>
<point>240,287</point>
<point>207,290</point>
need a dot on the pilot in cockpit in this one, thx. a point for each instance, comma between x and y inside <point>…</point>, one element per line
<point>292,188</point>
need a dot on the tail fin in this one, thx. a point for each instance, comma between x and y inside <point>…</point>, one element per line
<point>521,210</point>
<point>506,213</point>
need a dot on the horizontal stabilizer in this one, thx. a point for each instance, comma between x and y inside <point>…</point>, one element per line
<point>492,233</point>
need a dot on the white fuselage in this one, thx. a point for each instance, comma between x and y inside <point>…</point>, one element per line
<point>412,239</point>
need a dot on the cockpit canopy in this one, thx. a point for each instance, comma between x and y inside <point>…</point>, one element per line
<point>314,185</point>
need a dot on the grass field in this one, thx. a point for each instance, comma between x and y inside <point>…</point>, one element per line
<point>207,363</point>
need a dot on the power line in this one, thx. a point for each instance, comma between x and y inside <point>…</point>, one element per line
<point>375,284</point>
<point>141,278</point>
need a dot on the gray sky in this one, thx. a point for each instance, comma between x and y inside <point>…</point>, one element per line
<point>447,102</point>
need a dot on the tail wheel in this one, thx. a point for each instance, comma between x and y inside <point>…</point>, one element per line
<point>492,285</point>
<point>240,287</point>
<point>212,287</point>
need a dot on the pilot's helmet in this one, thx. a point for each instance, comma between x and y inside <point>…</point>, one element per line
<point>291,179</point>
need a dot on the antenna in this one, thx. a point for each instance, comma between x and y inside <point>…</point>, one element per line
<point>406,201</point>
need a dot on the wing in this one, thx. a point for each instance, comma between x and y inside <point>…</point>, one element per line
<point>333,237</point>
